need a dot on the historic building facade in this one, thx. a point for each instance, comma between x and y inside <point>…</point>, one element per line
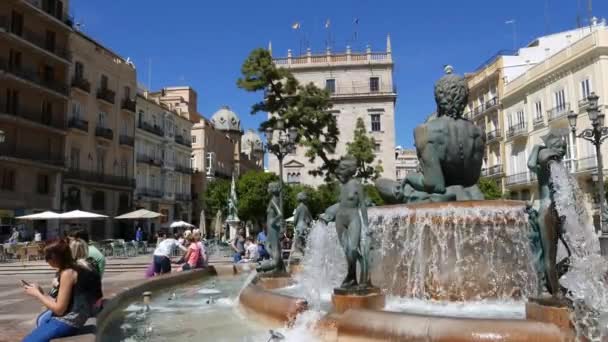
<point>34,92</point>
<point>163,151</point>
<point>100,141</point>
<point>406,162</point>
<point>361,86</point>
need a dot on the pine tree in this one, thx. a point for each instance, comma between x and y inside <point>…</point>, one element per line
<point>362,148</point>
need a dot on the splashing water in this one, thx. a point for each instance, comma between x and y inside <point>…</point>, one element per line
<point>586,278</point>
<point>324,265</point>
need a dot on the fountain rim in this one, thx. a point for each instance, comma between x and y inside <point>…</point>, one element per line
<point>485,204</point>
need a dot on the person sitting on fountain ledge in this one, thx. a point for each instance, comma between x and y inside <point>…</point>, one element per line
<point>450,149</point>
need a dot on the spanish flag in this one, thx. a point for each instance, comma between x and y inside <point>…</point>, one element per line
<point>296,25</point>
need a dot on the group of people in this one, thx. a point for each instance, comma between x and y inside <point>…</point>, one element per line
<point>76,291</point>
<point>190,242</point>
<point>249,249</point>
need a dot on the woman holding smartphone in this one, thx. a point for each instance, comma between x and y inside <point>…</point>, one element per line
<point>76,295</point>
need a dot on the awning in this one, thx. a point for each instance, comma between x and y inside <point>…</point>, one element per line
<point>45,215</point>
<point>139,214</point>
<point>79,214</point>
<point>181,224</point>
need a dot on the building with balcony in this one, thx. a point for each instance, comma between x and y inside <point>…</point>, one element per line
<point>406,162</point>
<point>34,63</point>
<point>163,150</point>
<point>361,86</point>
<point>540,98</point>
<point>99,144</point>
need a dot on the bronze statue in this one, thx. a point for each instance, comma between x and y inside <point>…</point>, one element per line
<point>549,222</point>
<point>450,150</point>
<point>274,218</point>
<point>302,220</point>
<point>352,226</point>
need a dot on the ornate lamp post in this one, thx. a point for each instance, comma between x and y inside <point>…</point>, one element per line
<point>281,142</point>
<point>596,135</point>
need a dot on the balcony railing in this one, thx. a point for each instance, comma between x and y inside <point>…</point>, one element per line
<point>539,121</point>
<point>62,17</point>
<point>126,140</point>
<point>148,192</point>
<point>182,141</point>
<point>106,94</point>
<point>36,39</point>
<point>184,169</point>
<point>82,84</point>
<point>493,102</point>
<point>38,155</point>
<point>517,129</point>
<point>78,123</point>
<point>129,104</point>
<point>493,135</point>
<point>478,110</point>
<point>362,89</point>
<point>495,170</point>
<point>558,112</point>
<point>151,128</point>
<point>183,197</point>
<point>34,77</point>
<point>518,178</point>
<point>145,158</point>
<point>583,104</point>
<point>99,177</point>
<point>104,132</point>
<point>585,164</point>
<point>38,117</point>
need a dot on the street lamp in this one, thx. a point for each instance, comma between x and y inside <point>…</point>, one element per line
<point>281,142</point>
<point>596,135</point>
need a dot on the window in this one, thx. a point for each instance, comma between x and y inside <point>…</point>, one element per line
<point>75,158</point>
<point>48,74</point>
<point>194,139</point>
<point>78,71</point>
<point>101,156</point>
<point>376,147</point>
<point>125,127</point>
<point>140,118</point>
<point>560,100</point>
<point>374,84</point>
<point>49,42</point>
<point>104,82</point>
<point>127,93</point>
<point>376,126</point>
<point>99,200</point>
<point>538,106</point>
<point>585,88</point>
<point>76,110</point>
<point>14,59</point>
<point>330,86</point>
<point>7,179</point>
<point>102,119</point>
<point>17,23</point>
<point>521,118</point>
<point>12,101</point>
<point>43,184</point>
<point>47,112</point>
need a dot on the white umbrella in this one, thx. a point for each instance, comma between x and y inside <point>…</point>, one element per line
<point>139,214</point>
<point>46,215</point>
<point>180,224</point>
<point>79,214</point>
<point>290,219</point>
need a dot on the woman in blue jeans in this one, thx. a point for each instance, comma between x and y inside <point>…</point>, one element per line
<point>76,295</point>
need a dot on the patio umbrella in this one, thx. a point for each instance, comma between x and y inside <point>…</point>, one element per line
<point>139,214</point>
<point>202,226</point>
<point>79,214</point>
<point>46,215</point>
<point>180,224</point>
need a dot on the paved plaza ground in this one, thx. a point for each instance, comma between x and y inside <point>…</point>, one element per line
<point>19,311</point>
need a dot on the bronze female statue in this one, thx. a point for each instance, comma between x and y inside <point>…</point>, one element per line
<point>274,219</point>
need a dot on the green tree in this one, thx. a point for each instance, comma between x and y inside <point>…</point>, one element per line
<point>216,197</point>
<point>305,107</point>
<point>291,202</point>
<point>362,148</point>
<point>252,191</point>
<point>373,194</point>
<point>490,189</point>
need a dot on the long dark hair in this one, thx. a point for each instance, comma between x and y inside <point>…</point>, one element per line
<point>59,251</point>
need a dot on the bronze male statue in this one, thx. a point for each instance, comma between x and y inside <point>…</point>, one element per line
<point>274,218</point>
<point>302,220</point>
<point>450,151</point>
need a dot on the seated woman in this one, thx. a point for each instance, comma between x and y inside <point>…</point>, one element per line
<point>204,260</point>
<point>77,290</point>
<point>193,255</point>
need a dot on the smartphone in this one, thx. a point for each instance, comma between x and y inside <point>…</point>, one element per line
<point>25,283</point>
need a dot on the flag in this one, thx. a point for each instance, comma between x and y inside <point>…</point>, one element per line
<point>356,22</point>
<point>512,21</point>
<point>327,23</point>
<point>296,25</point>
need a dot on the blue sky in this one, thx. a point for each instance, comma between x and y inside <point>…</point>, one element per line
<point>202,43</point>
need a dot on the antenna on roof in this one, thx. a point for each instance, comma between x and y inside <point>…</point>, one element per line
<point>578,14</point>
<point>590,13</point>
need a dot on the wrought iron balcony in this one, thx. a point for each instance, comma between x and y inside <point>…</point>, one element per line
<point>493,135</point>
<point>34,76</point>
<point>44,7</point>
<point>518,178</point>
<point>586,164</point>
<point>78,123</point>
<point>104,132</point>
<point>81,83</point>
<point>495,170</point>
<point>539,121</point>
<point>106,95</point>
<point>517,129</point>
<point>183,197</point>
<point>558,112</point>
<point>184,169</point>
<point>154,129</point>
<point>129,104</point>
<point>148,192</point>
<point>148,159</point>
<point>182,141</point>
<point>100,177</point>
<point>492,103</point>
<point>126,140</point>
<point>34,154</point>
<point>37,117</point>
<point>36,39</point>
